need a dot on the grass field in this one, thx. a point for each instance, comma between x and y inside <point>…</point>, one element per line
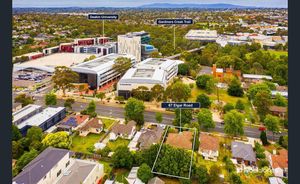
<point>272,52</point>
<point>107,122</point>
<point>80,144</point>
<point>113,145</point>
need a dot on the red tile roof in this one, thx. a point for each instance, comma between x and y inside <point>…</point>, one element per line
<point>180,140</point>
<point>278,109</point>
<point>208,142</point>
<point>81,118</point>
<point>280,160</point>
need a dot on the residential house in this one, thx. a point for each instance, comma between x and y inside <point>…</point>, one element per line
<point>243,153</point>
<point>279,163</point>
<point>73,122</point>
<point>132,176</point>
<point>94,125</point>
<point>278,111</point>
<point>55,166</point>
<point>125,131</point>
<point>180,140</point>
<point>220,73</point>
<point>253,78</point>
<point>156,180</point>
<point>150,137</point>
<point>209,146</point>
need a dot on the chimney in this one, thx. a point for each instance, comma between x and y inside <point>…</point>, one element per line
<point>214,70</point>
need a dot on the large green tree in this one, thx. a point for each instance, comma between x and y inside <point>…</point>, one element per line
<point>204,100</point>
<point>272,123</point>
<point>122,158</point>
<point>280,100</point>
<point>58,140</point>
<point>157,92</point>
<point>24,100</point>
<point>50,99</point>
<point>262,101</point>
<point>26,158</point>
<point>142,93</point>
<point>63,78</point>
<point>134,110</point>
<point>144,173</point>
<point>178,92</point>
<point>69,102</point>
<point>235,88</point>
<point>122,64</point>
<point>202,174</point>
<point>16,134</point>
<point>233,123</point>
<point>186,117</point>
<point>205,119</point>
<point>34,133</point>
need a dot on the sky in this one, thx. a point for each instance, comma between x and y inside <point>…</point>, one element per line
<point>134,3</point>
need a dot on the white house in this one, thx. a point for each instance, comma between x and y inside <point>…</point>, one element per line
<point>125,131</point>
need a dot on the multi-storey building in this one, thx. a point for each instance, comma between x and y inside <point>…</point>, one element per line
<point>99,71</point>
<point>131,43</point>
<point>202,35</point>
<point>103,49</point>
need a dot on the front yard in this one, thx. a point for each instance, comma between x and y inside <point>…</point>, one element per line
<point>107,122</point>
<point>81,144</point>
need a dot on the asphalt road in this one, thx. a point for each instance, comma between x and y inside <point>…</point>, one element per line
<point>149,116</point>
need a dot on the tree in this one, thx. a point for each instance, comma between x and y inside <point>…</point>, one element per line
<point>239,105</point>
<point>63,78</point>
<point>280,100</point>
<point>158,117</point>
<point>259,151</point>
<point>205,119</point>
<point>23,99</point>
<point>263,138</point>
<point>91,109</point>
<point>186,117</point>
<point>183,69</point>
<point>50,99</point>
<point>235,179</point>
<point>157,92</point>
<point>272,123</point>
<point>204,100</point>
<point>178,92</point>
<point>25,159</point>
<point>283,141</point>
<point>68,103</point>
<point>255,88</point>
<point>122,64</point>
<point>58,140</point>
<point>262,101</point>
<point>34,133</point>
<point>228,107</point>
<point>235,88</point>
<point>205,82</point>
<point>120,99</point>
<point>233,123</point>
<point>122,158</point>
<point>134,110</point>
<point>100,95</point>
<point>214,173</point>
<point>16,134</point>
<point>202,174</point>
<point>17,150</point>
<point>144,173</point>
<point>142,93</point>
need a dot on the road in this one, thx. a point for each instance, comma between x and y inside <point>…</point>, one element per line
<point>149,116</point>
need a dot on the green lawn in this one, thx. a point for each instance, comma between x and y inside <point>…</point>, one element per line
<point>121,174</point>
<point>80,144</point>
<point>107,122</point>
<point>113,145</point>
<point>272,52</point>
<point>107,167</point>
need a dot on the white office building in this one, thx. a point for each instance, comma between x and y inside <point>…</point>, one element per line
<point>202,35</point>
<point>104,49</point>
<point>99,71</point>
<point>132,44</point>
<point>148,73</point>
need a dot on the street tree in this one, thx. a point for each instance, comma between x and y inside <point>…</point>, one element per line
<point>262,101</point>
<point>157,92</point>
<point>69,102</point>
<point>90,110</point>
<point>235,88</point>
<point>122,64</point>
<point>50,99</point>
<point>205,119</point>
<point>158,117</point>
<point>272,123</point>
<point>142,93</point>
<point>100,95</point>
<point>23,99</point>
<point>63,78</point>
<point>263,138</point>
<point>144,173</point>
<point>134,110</point>
<point>57,140</point>
<point>122,158</point>
<point>204,100</point>
<point>186,116</point>
<point>233,123</point>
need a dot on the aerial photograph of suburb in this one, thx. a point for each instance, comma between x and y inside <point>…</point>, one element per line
<point>150,92</point>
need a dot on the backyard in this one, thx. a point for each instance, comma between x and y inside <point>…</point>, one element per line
<point>113,145</point>
<point>81,144</point>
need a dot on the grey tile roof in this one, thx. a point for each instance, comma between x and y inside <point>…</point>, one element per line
<point>156,180</point>
<point>242,150</point>
<point>78,172</point>
<point>149,137</point>
<point>40,166</point>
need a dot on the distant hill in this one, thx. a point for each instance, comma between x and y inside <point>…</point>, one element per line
<point>199,6</point>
